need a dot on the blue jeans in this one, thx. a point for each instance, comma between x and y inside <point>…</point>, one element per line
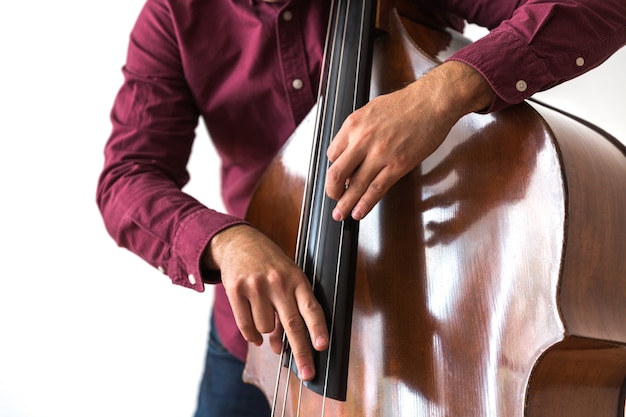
<point>222,391</point>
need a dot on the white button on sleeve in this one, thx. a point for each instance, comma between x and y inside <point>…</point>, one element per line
<point>580,61</point>
<point>521,86</point>
<point>191,279</point>
<point>161,269</point>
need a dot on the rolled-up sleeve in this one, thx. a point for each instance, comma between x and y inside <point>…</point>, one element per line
<point>537,44</point>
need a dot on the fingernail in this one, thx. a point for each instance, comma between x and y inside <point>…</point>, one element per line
<point>306,373</point>
<point>356,214</point>
<point>337,215</point>
<point>321,341</point>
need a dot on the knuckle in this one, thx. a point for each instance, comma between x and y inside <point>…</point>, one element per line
<point>330,152</point>
<point>334,183</point>
<point>332,174</point>
<point>311,305</point>
<point>274,279</point>
<point>241,285</point>
<point>367,202</point>
<point>300,354</point>
<point>351,121</point>
<point>357,186</point>
<point>238,288</point>
<point>403,162</point>
<point>280,283</point>
<point>294,324</point>
<point>377,188</point>
<point>344,205</point>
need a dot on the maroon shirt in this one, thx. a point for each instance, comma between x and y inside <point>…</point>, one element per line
<point>250,69</point>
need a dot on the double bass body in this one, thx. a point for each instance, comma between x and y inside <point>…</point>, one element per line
<point>491,280</point>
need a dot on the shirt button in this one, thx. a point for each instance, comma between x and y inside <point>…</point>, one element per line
<point>521,86</point>
<point>191,279</point>
<point>297,84</point>
<point>161,269</point>
<point>287,16</point>
<point>580,61</point>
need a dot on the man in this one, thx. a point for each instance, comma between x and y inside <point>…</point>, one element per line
<point>251,69</point>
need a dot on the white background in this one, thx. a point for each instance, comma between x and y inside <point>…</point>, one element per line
<point>86,328</point>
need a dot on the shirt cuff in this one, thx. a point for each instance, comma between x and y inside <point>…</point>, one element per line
<point>191,238</point>
<point>515,73</point>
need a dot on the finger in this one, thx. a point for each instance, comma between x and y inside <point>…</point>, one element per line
<point>313,315</point>
<point>277,338</point>
<point>366,188</point>
<point>263,316</point>
<point>338,144</point>
<point>295,329</point>
<point>243,317</point>
<point>376,190</point>
<point>261,308</point>
<point>340,172</point>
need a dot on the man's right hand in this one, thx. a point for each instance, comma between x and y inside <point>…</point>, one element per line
<point>268,293</point>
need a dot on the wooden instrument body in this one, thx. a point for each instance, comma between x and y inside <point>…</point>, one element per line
<point>491,280</point>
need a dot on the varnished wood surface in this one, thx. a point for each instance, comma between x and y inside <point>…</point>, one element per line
<point>491,280</point>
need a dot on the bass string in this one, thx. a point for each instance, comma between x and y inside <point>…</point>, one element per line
<point>336,119</point>
<point>314,176</point>
<point>340,88</point>
<point>304,227</point>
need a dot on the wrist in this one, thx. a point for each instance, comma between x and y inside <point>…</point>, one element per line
<point>460,89</point>
<point>218,246</point>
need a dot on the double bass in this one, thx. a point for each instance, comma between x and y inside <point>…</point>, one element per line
<point>489,282</point>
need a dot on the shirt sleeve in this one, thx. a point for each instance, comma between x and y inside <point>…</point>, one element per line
<point>140,188</point>
<point>534,45</point>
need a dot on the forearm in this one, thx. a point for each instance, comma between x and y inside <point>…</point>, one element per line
<point>149,215</point>
<point>456,89</point>
<point>534,45</point>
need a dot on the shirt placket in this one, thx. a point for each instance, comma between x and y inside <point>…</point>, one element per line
<point>296,78</point>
